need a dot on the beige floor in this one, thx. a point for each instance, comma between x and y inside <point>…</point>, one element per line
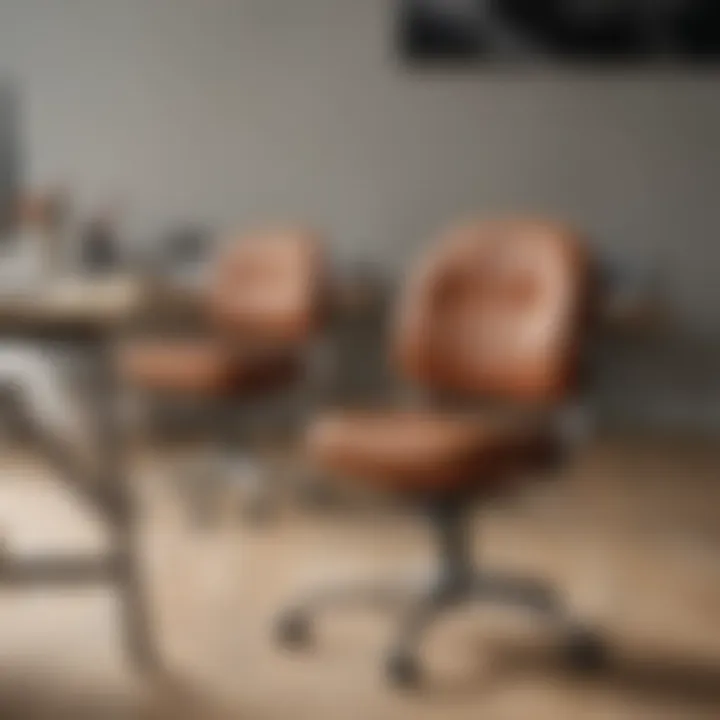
<point>631,533</point>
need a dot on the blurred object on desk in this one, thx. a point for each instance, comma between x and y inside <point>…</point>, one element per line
<point>26,254</point>
<point>185,254</point>
<point>100,246</point>
<point>60,233</point>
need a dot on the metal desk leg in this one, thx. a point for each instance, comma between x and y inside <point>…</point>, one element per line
<point>121,511</point>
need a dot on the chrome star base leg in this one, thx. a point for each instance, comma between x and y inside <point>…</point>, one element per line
<point>457,583</point>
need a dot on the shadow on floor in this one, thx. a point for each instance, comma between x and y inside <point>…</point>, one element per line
<point>662,678</point>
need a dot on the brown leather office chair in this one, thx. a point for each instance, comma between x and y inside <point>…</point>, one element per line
<point>265,303</point>
<point>497,310</point>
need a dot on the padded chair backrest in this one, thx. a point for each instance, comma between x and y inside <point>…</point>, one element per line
<point>498,308</point>
<point>270,287</point>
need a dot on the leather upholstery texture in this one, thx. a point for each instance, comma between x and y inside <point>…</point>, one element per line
<point>496,310</point>
<point>207,367</point>
<point>269,287</point>
<point>426,452</point>
<point>264,303</point>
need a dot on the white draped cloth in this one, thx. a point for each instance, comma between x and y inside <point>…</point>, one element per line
<point>33,372</point>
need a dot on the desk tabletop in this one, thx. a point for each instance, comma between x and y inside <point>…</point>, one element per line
<point>105,301</point>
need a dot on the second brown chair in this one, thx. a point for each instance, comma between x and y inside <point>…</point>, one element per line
<point>264,306</point>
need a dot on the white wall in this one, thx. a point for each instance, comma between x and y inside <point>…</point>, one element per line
<point>241,110</point>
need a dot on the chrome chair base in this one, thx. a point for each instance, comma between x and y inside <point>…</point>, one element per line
<point>458,582</point>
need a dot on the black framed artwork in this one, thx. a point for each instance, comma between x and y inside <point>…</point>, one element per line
<point>684,31</point>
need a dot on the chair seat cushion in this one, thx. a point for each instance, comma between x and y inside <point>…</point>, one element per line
<point>422,451</point>
<point>206,367</point>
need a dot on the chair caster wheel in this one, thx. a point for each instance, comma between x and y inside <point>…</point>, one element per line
<point>403,671</point>
<point>293,631</point>
<point>586,651</point>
